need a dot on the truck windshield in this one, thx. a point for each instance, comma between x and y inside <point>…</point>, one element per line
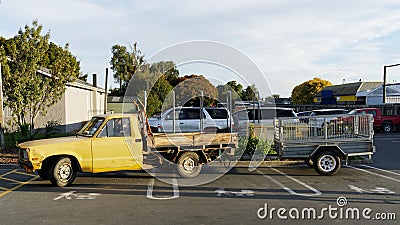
<point>91,127</point>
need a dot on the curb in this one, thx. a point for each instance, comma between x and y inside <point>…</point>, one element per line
<point>9,166</point>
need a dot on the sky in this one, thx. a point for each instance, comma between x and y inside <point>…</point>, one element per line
<point>288,41</point>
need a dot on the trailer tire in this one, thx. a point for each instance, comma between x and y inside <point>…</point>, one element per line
<point>327,163</point>
<point>189,165</point>
<point>62,172</point>
<point>387,127</point>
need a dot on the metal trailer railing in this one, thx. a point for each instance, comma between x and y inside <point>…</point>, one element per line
<point>330,128</point>
<point>323,141</point>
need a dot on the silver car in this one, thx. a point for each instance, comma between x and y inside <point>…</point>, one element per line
<point>187,119</point>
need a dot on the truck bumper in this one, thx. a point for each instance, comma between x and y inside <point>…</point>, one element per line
<point>26,165</point>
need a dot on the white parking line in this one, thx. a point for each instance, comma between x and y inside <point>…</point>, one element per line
<point>316,192</point>
<point>174,187</point>
<point>376,174</point>
<point>387,171</point>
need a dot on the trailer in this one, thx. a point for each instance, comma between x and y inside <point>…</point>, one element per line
<point>324,146</point>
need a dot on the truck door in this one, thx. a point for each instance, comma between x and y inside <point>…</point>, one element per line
<point>110,148</point>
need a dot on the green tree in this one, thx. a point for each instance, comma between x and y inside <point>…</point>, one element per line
<point>125,64</point>
<point>167,69</point>
<point>158,95</point>
<point>249,94</point>
<point>275,96</point>
<point>156,79</point>
<point>28,91</point>
<point>304,93</point>
<point>236,88</point>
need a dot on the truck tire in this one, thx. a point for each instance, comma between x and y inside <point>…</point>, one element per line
<point>62,173</point>
<point>327,163</point>
<point>43,173</point>
<point>189,165</point>
<point>387,127</point>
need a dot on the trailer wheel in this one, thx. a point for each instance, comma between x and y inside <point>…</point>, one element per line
<point>62,173</point>
<point>309,162</point>
<point>327,163</point>
<point>387,127</point>
<point>189,165</point>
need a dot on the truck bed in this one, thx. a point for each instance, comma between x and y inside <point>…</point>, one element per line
<point>196,139</point>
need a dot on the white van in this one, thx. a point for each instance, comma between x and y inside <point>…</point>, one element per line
<point>187,119</point>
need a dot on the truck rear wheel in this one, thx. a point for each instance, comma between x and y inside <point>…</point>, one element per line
<point>189,165</point>
<point>62,173</point>
<point>327,163</point>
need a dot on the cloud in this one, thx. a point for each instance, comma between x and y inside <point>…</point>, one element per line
<point>295,40</point>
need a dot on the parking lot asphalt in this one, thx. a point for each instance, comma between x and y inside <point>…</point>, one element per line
<point>273,194</point>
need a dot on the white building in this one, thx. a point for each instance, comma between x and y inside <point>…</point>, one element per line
<point>375,96</point>
<point>79,103</point>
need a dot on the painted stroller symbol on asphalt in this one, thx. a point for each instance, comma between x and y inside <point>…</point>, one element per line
<point>376,190</point>
<point>241,193</point>
<point>73,195</point>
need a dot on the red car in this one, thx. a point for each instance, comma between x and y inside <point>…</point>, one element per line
<point>381,122</point>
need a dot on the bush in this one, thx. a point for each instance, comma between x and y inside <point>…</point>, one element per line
<point>252,144</point>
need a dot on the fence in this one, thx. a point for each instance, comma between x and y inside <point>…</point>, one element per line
<point>323,128</point>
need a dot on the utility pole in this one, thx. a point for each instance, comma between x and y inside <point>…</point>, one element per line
<point>106,92</point>
<point>3,145</point>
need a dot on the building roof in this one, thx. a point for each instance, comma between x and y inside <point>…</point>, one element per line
<point>77,84</point>
<point>84,85</point>
<point>350,88</point>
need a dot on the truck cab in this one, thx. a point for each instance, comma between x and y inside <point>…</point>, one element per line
<point>106,143</point>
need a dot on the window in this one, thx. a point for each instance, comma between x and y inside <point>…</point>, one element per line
<point>251,113</point>
<point>193,114</point>
<point>284,113</point>
<point>179,115</point>
<point>218,113</point>
<point>268,114</point>
<point>91,127</point>
<point>118,127</point>
<point>372,112</point>
<point>241,115</point>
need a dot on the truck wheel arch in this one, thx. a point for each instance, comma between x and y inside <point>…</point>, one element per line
<point>51,159</point>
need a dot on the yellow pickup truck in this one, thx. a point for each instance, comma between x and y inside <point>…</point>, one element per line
<point>116,142</point>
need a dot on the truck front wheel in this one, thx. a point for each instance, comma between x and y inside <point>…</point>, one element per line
<point>43,173</point>
<point>327,163</point>
<point>62,173</point>
<point>189,165</point>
